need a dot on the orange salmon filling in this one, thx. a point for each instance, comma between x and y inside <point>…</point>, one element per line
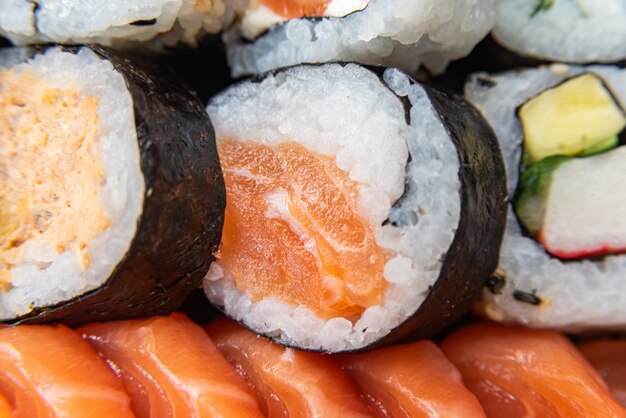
<point>292,230</point>
<point>295,9</point>
<point>50,174</point>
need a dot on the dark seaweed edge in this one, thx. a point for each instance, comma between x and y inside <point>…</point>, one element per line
<point>473,255</point>
<point>180,226</point>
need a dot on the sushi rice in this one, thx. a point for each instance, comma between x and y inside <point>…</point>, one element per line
<point>43,275</point>
<point>399,33</point>
<point>541,290</point>
<point>117,23</point>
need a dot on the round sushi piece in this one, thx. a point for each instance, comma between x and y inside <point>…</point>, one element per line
<point>362,207</point>
<point>400,33</point>
<point>561,130</point>
<point>117,23</point>
<point>580,31</point>
<point>112,197</point>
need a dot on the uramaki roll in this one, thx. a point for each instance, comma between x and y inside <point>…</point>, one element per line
<point>401,33</point>
<point>562,131</point>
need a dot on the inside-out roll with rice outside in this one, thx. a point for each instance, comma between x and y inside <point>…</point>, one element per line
<point>111,199</point>
<point>117,23</point>
<point>400,33</point>
<point>574,31</point>
<point>562,133</point>
<point>362,207</point>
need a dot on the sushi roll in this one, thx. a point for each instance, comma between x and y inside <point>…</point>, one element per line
<point>400,33</point>
<point>562,130</point>
<point>362,207</point>
<point>580,31</point>
<point>112,197</point>
<point>116,23</point>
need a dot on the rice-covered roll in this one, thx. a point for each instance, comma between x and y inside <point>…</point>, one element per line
<point>562,132</point>
<point>117,23</point>
<point>400,33</point>
<point>112,197</point>
<point>362,208</point>
<point>580,31</point>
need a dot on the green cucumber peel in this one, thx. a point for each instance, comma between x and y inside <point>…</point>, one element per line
<point>542,5</point>
<point>532,190</point>
<point>600,147</point>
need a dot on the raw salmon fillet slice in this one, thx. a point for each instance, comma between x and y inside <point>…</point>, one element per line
<point>292,230</point>
<point>288,383</point>
<point>410,381</point>
<point>609,359</point>
<point>49,371</point>
<point>518,372</point>
<point>171,368</point>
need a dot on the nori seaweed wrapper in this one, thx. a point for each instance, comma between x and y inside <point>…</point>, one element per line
<point>180,226</point>
<point>473,255</point>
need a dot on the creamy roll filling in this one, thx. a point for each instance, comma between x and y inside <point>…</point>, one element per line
<point>50,171</point>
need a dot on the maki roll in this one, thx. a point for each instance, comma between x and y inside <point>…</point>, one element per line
<point>580,31</point>
<point>112,197</point>
<point>400,33</point>
<point>117,23</point>
<point>562,130</point>
<point>362,208</point>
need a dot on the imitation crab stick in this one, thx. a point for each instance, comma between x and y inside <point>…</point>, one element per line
<point>288,383</point>
<point>171,368</point>
<point>49,371</point>
<point>411,380</point>
<point>518,372</point>
<point>609,359</point>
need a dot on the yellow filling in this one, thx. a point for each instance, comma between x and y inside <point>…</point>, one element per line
<point>574,116</point>
<point>50,172</point>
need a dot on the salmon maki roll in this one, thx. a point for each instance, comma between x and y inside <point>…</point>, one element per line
<point>112,198</point>
<point>518,372</point>
<point>362,208</point>
<point>171,368</point>
<point>411,380</point>
<point>288,382</point>
<point>49,371</point>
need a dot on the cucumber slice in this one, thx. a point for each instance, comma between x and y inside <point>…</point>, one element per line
<point>568,119</point>
<point>532,190</point>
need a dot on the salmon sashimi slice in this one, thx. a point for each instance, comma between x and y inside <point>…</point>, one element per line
<point>288,383</point>
<point>410,381</point>
<point>517,372</point>
<point>292,230</point>
<point>49,371</point>
<point>609,359</point>
<point>6,409</point>
<point>171,368</point>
